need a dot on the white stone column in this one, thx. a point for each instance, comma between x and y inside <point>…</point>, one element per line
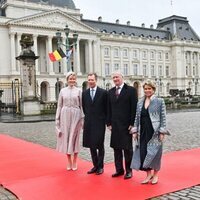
<point>103,61</point>
<point>35,49</point>
<point>78,67</point>
<point>121,60</point>
<point>130,61</point>
<point>90,54</point>
<point>18,50</point>
<point>86,58</point>
<point>95,62</point>
<point>13,53</point>
<point>191,64</point>
<point>49,50</point>
<point>198,67</point>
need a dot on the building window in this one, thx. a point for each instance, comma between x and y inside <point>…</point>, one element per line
<point>135,69</point>
<point>107,69</point>
<point>152,70</point>
<point>125,53</point>
<point>144,70</point>
<point>160,70</point>
<point>135,54</point>
<point>144,54</point>
<point>125,69</point>
<point>160,55</point>
<point>167,71</point>
<point>152,55</point>
<point>116,67</point>
<point>116,52</point>
<point>186,71</point>
<point>167,56</point>
<point>106,51</point>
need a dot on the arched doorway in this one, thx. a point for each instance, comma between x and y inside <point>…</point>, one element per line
<point>44,91</point>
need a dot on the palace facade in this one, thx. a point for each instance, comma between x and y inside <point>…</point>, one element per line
<point>168,54</point>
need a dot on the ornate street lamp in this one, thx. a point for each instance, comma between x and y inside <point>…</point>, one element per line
<point>68,45</point>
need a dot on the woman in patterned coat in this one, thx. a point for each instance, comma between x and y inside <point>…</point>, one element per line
<point>149,129</point>
<point>69,121</point>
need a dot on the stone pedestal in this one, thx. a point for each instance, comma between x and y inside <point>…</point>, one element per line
<point>30,107</point>
<point>29,103</point>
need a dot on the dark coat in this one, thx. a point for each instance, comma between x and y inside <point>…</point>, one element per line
<point>121,114</point>
<point>95,118</point>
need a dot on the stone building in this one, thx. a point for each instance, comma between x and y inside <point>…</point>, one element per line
<point>168,54</point>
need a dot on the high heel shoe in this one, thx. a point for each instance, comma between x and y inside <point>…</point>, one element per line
<point>69,167</point>
<point>74,167</point>
<point>147,180</point>
<point>154,180</point>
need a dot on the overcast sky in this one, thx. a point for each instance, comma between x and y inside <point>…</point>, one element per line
<point>140,11</point>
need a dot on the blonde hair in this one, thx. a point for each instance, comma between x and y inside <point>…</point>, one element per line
<point>69,74</point>
<point>150,84</point>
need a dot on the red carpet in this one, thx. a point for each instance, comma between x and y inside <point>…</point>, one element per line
<point>33,172</point>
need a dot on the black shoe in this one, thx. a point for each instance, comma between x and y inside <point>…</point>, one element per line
<point>92,171</point>
<point>128,175</point>
<point>99,171</point>
<point>118,174</point>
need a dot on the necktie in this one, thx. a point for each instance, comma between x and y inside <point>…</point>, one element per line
<point>92,94</point>
<point>117,91</point>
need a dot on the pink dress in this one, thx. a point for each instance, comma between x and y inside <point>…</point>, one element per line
<point>69,120</point>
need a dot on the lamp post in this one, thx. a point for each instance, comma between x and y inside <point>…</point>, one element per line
<point>196,81</point>
<point>67,45</point>
<point>158,82</point>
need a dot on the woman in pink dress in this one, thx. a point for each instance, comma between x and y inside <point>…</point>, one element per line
<point>69,121</point>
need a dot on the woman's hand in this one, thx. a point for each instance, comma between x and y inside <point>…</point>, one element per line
<point>161,137</point>
<point>60,134</point>
<point>135,136</point>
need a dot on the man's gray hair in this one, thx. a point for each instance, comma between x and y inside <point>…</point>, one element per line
<point>118,72</point>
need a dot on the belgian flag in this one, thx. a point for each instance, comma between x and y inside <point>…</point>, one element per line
<point>57,55</point>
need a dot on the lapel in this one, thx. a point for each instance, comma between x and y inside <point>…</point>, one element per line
<point>96,95</point>
<point>123,91</point>
<point>88,95</point>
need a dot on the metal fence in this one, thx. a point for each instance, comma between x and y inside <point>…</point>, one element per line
<point>10,94</point>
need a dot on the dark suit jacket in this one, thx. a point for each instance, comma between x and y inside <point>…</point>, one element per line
<point>121,114</point>
<point>95,118</point>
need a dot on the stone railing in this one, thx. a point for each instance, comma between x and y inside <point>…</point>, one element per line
<point>48,107</point>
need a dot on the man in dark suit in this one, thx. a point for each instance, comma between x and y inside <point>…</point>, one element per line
<point>122,103</point>
<point>94,101</point>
